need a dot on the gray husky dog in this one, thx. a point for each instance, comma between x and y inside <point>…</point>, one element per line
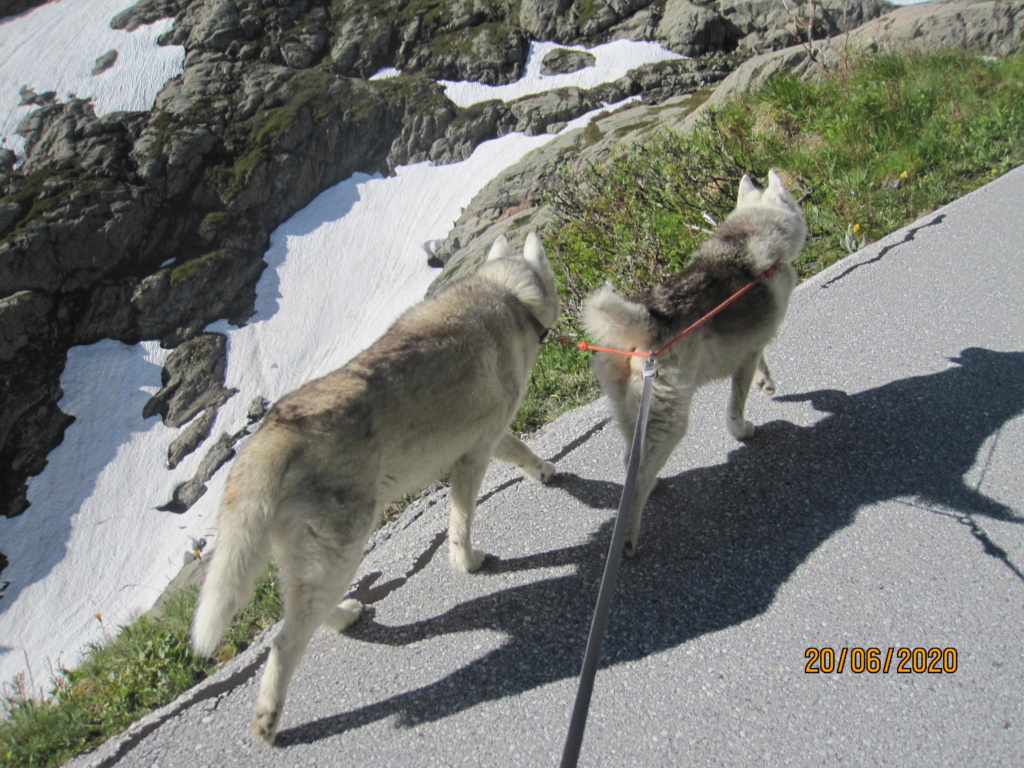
<point>766,228</point>
<point>434,395</point>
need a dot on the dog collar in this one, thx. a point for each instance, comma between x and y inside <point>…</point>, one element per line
<point>542,332</point>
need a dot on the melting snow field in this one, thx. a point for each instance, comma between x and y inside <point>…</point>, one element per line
<point>54,48</point>
<point>613,61</point>
<point>339,272</point>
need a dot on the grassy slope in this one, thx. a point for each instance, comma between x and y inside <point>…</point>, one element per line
<point>871,148</point>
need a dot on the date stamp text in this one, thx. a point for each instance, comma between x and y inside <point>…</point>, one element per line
<point>904,661</point>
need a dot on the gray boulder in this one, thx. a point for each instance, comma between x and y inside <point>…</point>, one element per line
<point>535,114</point>
<point>596,17</point>
<point>177,302</point>
<point>563,61</point>
<point>104,62</point>
<point>490,53</point>
<point>214,26</point>
<point>191,437</point>
<point>305,48</point>
<point>469,127</point>
<point>544,19</point>
<point>192,381</point>
<point>222,450</point>
<point>693,30</point>
<point>188,493</point>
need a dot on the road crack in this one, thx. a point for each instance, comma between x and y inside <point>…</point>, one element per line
<point>908,237</point>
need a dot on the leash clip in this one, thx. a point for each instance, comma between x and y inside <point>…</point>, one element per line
<point>651,367</point>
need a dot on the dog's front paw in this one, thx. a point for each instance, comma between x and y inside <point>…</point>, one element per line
<point>465,559</point>
<point>264,724</point>
<point>741,429</point>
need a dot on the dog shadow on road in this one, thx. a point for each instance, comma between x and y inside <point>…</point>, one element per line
<point>719,541</point>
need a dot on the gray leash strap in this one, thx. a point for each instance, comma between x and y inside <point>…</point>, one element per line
<point>599,624</point>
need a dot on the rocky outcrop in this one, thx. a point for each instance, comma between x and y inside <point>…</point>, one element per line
<point>187,494</point>
<point>770,25</point>
<point>136,226</point>
<point>14,7</point>
<point>692,28</point>
<point>192,381</point>
<point>217,455</point>
<point>993,27</point>
<point>514,203</point>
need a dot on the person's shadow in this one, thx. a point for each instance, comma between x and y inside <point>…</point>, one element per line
<point>719,541</point>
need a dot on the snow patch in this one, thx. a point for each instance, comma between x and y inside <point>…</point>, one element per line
<point>54,48</point>
<point>614,60</point>
<point>386,73</point>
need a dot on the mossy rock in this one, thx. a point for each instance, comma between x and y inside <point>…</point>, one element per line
<point>204,267</point>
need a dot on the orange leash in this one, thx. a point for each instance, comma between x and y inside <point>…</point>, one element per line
<point>587,347</point>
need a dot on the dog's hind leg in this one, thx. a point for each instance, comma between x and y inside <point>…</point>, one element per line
<point>763,378</point>
<point>663,435</point>
<point>513,450</point>
<point>344,615</point>
<point>739,427</point>
<point>315,572</point>
<point>466,476</point>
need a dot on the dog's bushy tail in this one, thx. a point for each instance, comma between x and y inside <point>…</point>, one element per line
<point>242,547</point>
<point>612,321</point>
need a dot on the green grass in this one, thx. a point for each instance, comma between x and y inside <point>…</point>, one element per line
<point>870,149</point>
<point>144,666</point>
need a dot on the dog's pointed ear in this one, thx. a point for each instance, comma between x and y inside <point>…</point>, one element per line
<point>747,188</point>
<point>499,250</point>
<point>775,182</point>
<point>534,252</point>
<point>535,255</point>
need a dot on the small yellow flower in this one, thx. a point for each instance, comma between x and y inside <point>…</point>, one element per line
<point>856,228</point>
<point>904,175</point>
<point>995,171</point>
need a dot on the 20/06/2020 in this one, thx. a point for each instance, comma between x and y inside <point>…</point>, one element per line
<point>873,660</point>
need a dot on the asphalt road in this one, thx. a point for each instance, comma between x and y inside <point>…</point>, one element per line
<point>879,506</point>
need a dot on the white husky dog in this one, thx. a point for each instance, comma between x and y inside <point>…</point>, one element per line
<point>766,228</point>
<point>434,395</point>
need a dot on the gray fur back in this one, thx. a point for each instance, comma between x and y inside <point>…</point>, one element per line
<point>718,269</point>
<point>766,228</point>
